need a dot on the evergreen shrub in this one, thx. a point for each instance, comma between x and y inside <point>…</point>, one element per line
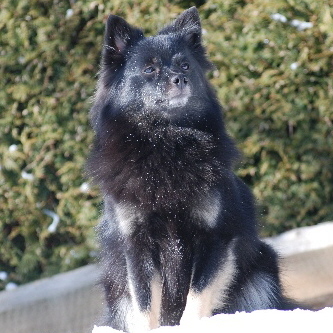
<point>273,75</point>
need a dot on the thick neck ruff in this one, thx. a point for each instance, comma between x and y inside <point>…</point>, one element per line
<point>153,163</point>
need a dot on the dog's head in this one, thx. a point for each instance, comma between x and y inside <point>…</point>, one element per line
<point>162,72</point>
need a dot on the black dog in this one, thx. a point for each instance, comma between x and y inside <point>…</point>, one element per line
<point>178,237</point>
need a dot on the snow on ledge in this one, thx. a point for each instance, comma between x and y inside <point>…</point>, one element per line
<point>261,321</point>
<point>303,239</point>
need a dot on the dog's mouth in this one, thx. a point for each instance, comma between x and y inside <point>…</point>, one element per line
<point>178,101</point>
<point>175,101</point>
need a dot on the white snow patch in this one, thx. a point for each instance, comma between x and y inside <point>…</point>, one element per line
<point>3,275</point>
<point>279,17</point>
<point>27,176</point>
<point>69,13</point>
<point>10,286</point>
<point>273,321</point>
<point>56,219</point>
<point>294,66</point>
<point>84,188</point>
<point>301,25</point>
<point>303,239</point>
<point>12,148</point>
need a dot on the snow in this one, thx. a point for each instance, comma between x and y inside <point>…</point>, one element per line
<point>69,13</point>
<point>12,148</point>
<point>27,176</point>
<point>271,321</point>
<point>56,219</point>
<point>303,239</point>
<point>10,286</point>
<point>84,188</point>
<point>3,275</point>
<point>279,17</point>
<point>300,25</point>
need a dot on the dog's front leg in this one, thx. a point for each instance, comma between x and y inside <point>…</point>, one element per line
<point>145,288</point>
<point>176,269</point>
<point>209,291</point>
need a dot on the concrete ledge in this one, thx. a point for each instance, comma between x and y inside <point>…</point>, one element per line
<point>65,303</point>
<point>308,276</point>
<point>303,239</point>
<point>48,288</point>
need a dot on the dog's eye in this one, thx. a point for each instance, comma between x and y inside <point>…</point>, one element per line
<point>185,66</point>
<point>149,70</point>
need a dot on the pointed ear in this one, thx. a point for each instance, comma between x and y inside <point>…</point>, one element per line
<point>118,38</point>
<point>188,25</point>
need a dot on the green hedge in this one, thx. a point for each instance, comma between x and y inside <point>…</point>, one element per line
<point>274,79</point>
<point>276,82</point>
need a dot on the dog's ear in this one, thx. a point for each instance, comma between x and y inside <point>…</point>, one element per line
<point>188,25</point>
<point>119,37</point>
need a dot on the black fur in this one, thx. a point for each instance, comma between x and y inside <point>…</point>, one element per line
<point>161,154</point>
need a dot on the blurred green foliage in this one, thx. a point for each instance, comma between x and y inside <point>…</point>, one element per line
<point>274,79</point>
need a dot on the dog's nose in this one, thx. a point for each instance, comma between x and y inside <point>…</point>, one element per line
<point>179,80</point>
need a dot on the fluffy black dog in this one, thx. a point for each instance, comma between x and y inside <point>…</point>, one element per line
<point>178,236</point>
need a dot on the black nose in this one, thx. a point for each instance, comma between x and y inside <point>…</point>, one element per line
<point>179,80</point>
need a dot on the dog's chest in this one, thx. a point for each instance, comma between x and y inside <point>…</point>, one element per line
<point>202,211</point>
<point>165,172</point>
